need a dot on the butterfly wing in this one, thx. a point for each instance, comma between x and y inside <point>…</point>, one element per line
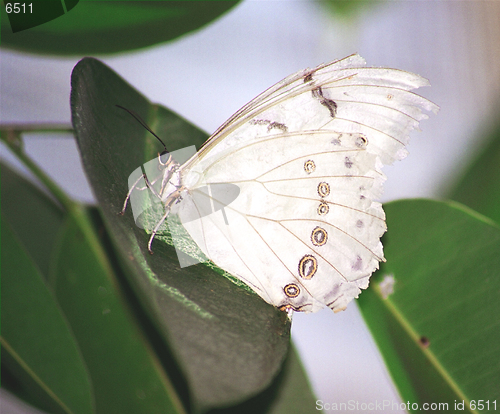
<point>306,155</point>
<point>374,101</point>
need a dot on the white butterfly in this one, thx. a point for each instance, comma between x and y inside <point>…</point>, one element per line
<point>304,231</point>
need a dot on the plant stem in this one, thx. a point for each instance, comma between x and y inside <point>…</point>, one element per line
<point>11,135</point>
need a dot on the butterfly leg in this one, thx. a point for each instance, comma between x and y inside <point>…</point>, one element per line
<point>174,197</point>
<point>155,230</point>
<point>149,185</point>
<point>132,188</point>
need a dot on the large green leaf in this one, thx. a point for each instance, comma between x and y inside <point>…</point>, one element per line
<point>228,342</point>
<point>95,27</point>
<point>294,394</point>
<point>41,361</point>
<point>23,208</point>
<point>439,331</point>
<point>479,188</point>
<point>38,347</point>
<point>290,393</point>
<point>125,375</point>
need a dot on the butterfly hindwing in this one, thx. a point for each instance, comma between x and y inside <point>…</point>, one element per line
<point>316,203</point>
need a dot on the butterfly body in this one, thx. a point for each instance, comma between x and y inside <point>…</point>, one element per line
<point>306,156</point>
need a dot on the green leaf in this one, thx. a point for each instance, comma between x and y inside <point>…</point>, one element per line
<point>38,347</point>
<point>348,9</point>
<point>228,342</point>
<point>96,27</point>
<point>439,332</point>
<point>479,188</point>
<point>290,393</point>
<point>126,376</point>
<point>294,394</point>
<point>23,207</point>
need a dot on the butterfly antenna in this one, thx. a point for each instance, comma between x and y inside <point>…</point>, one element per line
<point>141,121</point>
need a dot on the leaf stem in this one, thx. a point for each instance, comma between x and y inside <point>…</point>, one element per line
<point>11,135</point>
<point>36,127</point>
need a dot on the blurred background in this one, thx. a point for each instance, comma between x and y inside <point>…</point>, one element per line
<point>207,75</point>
